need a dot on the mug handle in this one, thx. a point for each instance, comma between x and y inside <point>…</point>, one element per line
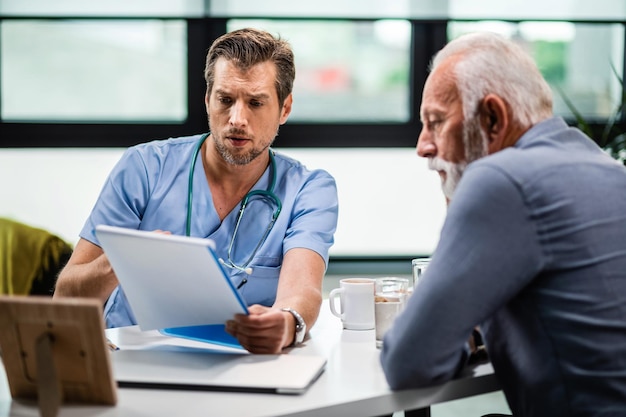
<point>332,296</point>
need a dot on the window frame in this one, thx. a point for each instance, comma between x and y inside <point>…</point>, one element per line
<point>428,36</point>
<point>123,134</point>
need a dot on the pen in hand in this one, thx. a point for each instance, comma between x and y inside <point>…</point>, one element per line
<point>112,346</point>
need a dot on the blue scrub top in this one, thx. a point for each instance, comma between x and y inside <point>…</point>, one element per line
<point>148,190</point>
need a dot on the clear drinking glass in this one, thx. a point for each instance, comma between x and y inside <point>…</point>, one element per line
<point>419,266</point>
<point>389,300</point>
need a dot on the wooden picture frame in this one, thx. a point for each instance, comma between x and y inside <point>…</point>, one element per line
<point>55,351</point>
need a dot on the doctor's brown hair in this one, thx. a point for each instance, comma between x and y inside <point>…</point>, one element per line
<point>248,47</point>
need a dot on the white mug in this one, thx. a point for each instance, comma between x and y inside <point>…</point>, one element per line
<point>356,299</point>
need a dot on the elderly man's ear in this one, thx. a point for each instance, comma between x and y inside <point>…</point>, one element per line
<point>494,120</point>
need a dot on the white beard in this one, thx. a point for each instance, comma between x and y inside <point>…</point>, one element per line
<point>476,146</point>
<point>453,174</point>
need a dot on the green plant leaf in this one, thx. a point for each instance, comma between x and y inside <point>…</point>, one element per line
<point>611,139</point>
<point>580,120</point>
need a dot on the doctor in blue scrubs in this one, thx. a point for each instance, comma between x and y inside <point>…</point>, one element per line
<point>272,219</point>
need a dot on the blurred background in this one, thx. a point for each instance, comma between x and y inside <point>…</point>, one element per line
<point>80,81</point>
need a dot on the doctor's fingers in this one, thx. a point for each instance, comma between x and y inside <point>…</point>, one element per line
<point>261,317</point>
<point>265,342</point>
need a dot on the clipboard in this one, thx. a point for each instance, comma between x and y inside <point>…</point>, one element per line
<point>172,282</point>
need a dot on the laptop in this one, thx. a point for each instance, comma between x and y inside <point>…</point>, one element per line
<point>213,371</point>
<point>174,284</point>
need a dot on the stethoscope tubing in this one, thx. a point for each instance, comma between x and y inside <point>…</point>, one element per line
<point>269,190</point>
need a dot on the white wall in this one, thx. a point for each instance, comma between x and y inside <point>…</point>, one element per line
<point>390,203</point>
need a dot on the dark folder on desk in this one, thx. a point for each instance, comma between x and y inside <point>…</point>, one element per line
<point>173,283</point>
<point>214,371</point>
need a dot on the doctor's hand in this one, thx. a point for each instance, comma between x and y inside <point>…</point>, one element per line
<point>263,330</point>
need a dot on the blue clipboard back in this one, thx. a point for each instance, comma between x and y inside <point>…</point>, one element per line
<point>210,333</point>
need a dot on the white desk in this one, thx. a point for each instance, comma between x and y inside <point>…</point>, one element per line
<point>353,384</point>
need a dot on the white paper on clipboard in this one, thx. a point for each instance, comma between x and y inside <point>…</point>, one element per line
<point>170,281</point>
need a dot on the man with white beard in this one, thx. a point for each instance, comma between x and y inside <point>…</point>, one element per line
<point>533,248</point>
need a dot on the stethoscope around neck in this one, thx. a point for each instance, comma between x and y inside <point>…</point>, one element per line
<point>267,195</point>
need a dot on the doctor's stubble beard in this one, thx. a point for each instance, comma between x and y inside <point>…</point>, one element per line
<point>233,159</point>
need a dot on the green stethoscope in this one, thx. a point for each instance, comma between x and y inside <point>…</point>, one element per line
<point>267,195</point>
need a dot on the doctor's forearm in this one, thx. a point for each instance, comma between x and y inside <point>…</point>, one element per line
<point>95,279</point>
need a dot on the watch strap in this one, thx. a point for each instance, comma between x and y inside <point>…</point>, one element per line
<point>300,326</point>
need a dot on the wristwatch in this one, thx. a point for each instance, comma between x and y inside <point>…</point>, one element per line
<point>300,326</point>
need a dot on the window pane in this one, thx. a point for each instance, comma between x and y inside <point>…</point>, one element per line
<point>94,70</point>
<point>612,10</point>
<point>575,59</point>
<point>66,8</point>
<point>585,10</point>
<point>329,8</point>
<point>346,71</point>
